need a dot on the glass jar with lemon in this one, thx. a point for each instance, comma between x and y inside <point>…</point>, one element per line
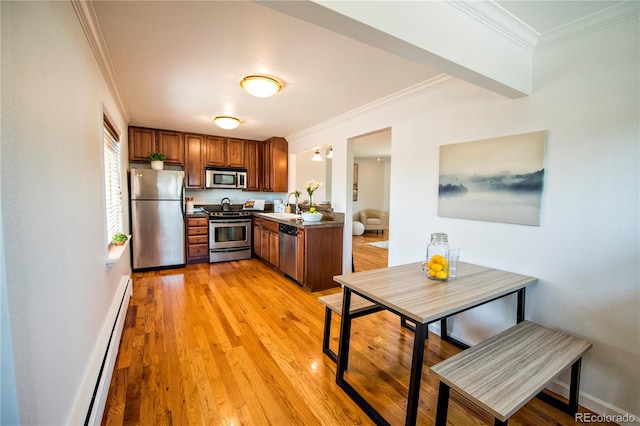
<point>437,264</point>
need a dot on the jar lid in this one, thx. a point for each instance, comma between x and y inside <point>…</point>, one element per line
<point>439,237</point>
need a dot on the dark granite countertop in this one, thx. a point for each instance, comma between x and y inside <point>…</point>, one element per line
<point>329,220</point>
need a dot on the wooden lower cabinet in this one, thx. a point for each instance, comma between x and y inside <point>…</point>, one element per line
<point>266,241</point>
<point>319,256</point>
<point>198,239</point>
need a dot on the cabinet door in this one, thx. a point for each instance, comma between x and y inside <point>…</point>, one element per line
<point>252,161</point>
<point>275,165</point>
<point>301,257</point>
<point>257,242</point>
<point>142,142</point>
<point>279,165</point>
<point>216,151</point>
<point>171,145</point>
<point>266,167</point>
<point>264,243</point>
<point>235,153</point>
<point>194,161</point>
<point>274,248</point>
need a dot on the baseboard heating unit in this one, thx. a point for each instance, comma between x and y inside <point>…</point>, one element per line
<point>93,395</point>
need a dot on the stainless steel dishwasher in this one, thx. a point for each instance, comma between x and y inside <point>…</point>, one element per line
<point>289,250</point>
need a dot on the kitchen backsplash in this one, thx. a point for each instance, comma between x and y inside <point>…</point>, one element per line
<point>237,196</point>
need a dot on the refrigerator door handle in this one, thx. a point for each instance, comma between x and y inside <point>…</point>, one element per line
<point>182,200</point>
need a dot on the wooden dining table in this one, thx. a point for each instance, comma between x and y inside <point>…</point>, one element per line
<point>406,291</point>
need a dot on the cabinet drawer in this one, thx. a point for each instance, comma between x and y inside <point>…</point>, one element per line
<point>198,250</point>
<point>198,239</point>
<point>270,225</point>
<point>198,221</point>
<point>198,230</point>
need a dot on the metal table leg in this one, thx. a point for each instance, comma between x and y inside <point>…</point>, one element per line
<point>416,373</point>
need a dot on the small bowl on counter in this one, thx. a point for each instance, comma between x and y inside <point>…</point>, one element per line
<point>312,217</point>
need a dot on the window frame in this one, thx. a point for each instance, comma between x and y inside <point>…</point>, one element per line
<point>112,185</point>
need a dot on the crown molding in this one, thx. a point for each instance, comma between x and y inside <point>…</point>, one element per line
<point>606,18</point>
<point>91,27</point>
<point>431,84</point>
<point>495,17</point>
<point>498,19</point>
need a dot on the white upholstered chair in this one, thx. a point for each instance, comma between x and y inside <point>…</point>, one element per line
<point>373,220</point>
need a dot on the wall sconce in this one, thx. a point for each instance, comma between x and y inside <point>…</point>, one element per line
<point>316,156</point>
<point>330,154</point>
<point>226,121</point>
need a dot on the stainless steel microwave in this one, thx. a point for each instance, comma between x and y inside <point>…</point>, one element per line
<point>230,179</point>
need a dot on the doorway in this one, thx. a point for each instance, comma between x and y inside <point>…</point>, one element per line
<point>371,190</point>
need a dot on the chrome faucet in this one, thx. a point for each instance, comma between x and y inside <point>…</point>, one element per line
<point>295,195</point>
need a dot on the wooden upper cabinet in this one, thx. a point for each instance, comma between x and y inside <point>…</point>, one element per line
<point>225,152</point>
<point>215,152</point>
<point>171,145</point>
<point>252,161</point>
<point>235,153</point>
<point>275,165</point>
<point>194,161</point>
<point>143,141</point>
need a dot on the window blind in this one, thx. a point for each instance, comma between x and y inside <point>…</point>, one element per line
<point>112,179</point>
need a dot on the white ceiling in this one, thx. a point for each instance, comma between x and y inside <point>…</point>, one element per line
<point>178,63</point>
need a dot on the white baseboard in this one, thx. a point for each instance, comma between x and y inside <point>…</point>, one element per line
<point>93,394</point>
<point>586,400</point>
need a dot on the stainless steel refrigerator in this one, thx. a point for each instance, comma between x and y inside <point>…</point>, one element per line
<point>157,218</point>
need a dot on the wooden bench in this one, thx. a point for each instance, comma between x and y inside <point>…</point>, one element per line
<point>333,303</point>
<point>504,372</point>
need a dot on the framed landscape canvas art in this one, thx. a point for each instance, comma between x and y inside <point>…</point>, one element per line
<point>498,179</point>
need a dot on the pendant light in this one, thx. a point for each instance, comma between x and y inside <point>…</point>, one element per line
<point>226,121</point>
<point>316,156</point>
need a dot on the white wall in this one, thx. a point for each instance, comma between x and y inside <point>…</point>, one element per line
<point>586,250</point>
<point>307,170</point>
<point>373,185</point>
<point>58,287</point>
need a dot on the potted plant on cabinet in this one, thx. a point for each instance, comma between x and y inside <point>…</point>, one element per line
<point>157,160</point>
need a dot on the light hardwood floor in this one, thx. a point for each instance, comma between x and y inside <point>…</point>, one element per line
<point>236,343</point>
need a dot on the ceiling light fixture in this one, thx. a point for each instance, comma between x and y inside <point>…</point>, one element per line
<point>226,121</point>
<point>316,156</point>
<point>330,154</point>
<point>261,86</point>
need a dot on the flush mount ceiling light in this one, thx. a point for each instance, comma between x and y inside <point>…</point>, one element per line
<point>316,156</point>
<point>226,121</point>
<point>261,86</point>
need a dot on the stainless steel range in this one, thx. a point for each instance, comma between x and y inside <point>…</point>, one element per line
<point>229,235</point>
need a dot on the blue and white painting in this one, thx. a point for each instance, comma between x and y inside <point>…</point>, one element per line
<point>498,179</point>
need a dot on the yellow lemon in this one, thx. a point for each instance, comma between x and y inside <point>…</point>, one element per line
<point>441,275</point>
<point>437,267</point>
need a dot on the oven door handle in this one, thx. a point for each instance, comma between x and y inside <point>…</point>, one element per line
<point>229,250</point>
<point>230,221</point>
